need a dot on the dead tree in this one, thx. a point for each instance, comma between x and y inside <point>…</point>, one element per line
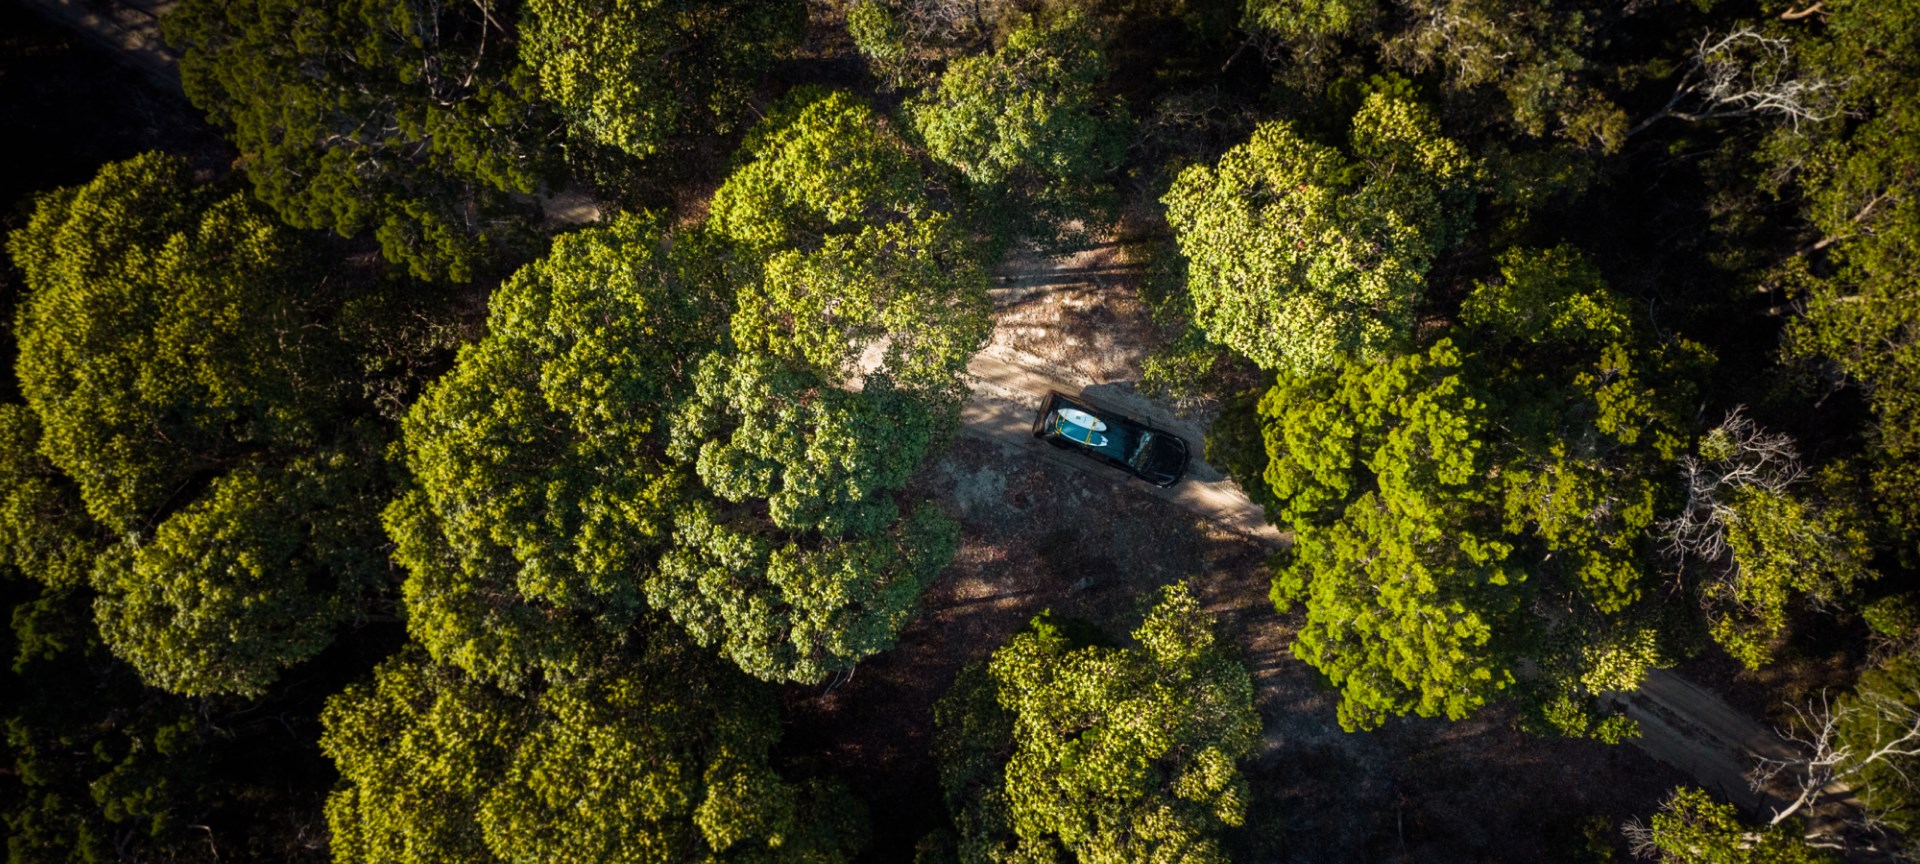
<point>1742,74</point>
<point>1839,743</point>
<point>1736,455</point>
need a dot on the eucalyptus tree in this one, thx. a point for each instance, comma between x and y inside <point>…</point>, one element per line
<point>414,122</point>
<point>658,758</point>
<point>857,306</point>
<point>1301,257</point>
<point>1461,514</point>
<point>541,490</point>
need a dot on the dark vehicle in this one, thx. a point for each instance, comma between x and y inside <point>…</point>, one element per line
<point>1156,456</point>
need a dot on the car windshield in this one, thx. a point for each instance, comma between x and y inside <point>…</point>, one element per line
<point>1141,447</point>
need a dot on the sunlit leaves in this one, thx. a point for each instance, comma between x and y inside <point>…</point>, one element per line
<point>161,334</point>
<point>662,760</point>
<point>1299,256</point>
<point>251,578</point>
<point>542,489</point>
<point>1109,754</point>
<point>633,73</point>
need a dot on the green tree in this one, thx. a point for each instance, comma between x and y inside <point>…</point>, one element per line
<point>1300,256</point>
<point>1447,506</point>
<point>1757,538</point>
<point>541,489</point>
<point>411,121</point>
<point>162,337</point>
<point>1693,828</point>
<point>1030,115</point>
<point>1860,201</point>
<point>910,292</point>
<point>1103,753</point>
<point>45,532</point>
<point>436,767</point>
<point>417,749</point>
<point>820,164</point>
<point>1539,66</point>
<point>1310,20</point>
<point>812,568</point>
<point>857,308</point>
<point>1538,55</point>
<point>101,767</point>
<point>681,754</point>
<point>252,577</point>
<point>632,74</point>
<point>1383,472</point>
<point>105,771</point>
<point>1879,728</point>
<point>183,373</point>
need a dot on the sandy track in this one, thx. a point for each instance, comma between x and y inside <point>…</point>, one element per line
<point>129,29</point>
<point>1008,389</point>
<point>1682,724</point>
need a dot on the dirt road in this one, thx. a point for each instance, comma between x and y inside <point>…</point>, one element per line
<point>1681,724</point>
<point>128,29</point>
<point>1009,386</point>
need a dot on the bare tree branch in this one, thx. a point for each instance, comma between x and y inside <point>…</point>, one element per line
<point>1745,73</point>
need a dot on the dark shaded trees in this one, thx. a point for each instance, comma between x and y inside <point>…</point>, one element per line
<point>1693,828</point>
<point>1854,170</point>
<point>410,121</point>
<point>657,759</point>
<point>636,75</point>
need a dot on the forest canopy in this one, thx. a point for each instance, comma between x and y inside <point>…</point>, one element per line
<point>522,430</point>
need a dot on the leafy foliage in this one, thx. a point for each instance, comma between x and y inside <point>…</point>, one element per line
<point>910,292</point>
<point>1109,754</point>
<point>857,309</point>
<point>1537,65</point>
<point>1757,539</point>
<point>1029,113</point>
<point>823,165</point>
<point>418,748</point>
<point>1300,257</point>
<point>682,755</point>
<point>407,120</point>
<point>542,491</point>
<point>180,380</point>
<point>45,532</point>
<point>1436,497</point>
<point>161,337</point>
<point>1875,716</point>
<point>1862,312</point>
<point>632,74</point>
<point>1396,555</point>
<point>438,768</point>
<point>1694,828</point>
<point>251,578</point>
<point>833,572</point>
